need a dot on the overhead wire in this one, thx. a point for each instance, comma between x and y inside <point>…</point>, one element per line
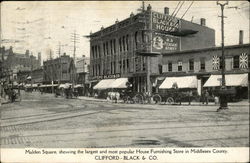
<point>187,9</point>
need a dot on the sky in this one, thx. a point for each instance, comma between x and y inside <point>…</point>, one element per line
<point>40,26</point>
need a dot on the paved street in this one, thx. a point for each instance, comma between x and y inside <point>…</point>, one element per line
<point>41,120</point>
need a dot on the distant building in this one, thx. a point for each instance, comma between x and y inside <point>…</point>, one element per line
<point>13,62</point>
<point>59,70</point>
<point>82,70</point>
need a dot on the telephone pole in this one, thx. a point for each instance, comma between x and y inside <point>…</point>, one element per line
<point>223,92</point>
<point>75,39</point>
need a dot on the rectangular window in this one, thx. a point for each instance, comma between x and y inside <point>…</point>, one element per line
<point>202,64</point>
<point>191,65</point>
<point>114,42</point>
<point>120,44</point>
<point>236,61</point>
<point>104,49</point>
<point>111,47</point>
<point>170,67</point>
<point>179,65</point>
<point>127,64</point>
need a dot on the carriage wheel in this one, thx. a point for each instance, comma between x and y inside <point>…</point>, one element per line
<point>129,100</point>
<point>170,100</point>
<point>157,99</point>
<point>138,99</point>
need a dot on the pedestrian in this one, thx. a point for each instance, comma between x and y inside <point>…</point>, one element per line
<point>190,94</point>
<point>206,94</point>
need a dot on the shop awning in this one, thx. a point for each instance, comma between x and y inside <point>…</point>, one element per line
<point>120,83</point>
<point>180,82</point>
<point>231,80</point>
<point>78,86</point>
<point>104,84</point>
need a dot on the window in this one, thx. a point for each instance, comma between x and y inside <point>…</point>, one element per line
<point>202,64</point>
<point>93,53</point>
<point>120,44</point>
<point>114,42</point>
<point>111,47</point>
<point>170,67</point>
<point>124,43</point>
<point>191,65</point>
<point>107,48</point>
<point>127,42</point>
<point>127,64</point>
<point>236,61</point>
<point>104,49</point>
<point>179,65</point>
<point>136,39</point>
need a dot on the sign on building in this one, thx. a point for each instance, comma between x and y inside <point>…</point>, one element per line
<point>165,43</point>
<point>164,23</point>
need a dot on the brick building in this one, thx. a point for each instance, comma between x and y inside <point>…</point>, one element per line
<point>114,50</point>
<point>206,62</point>
<point>59,70</point>
<point>15,62</point>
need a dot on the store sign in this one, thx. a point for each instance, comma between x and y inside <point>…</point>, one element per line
<point>165,43</point>
<point>164,23</point>
<point>111,76</point>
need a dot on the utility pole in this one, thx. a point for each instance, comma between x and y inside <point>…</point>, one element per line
<point>223,97</point>
<point>52,70</point>
<point>75,39</point>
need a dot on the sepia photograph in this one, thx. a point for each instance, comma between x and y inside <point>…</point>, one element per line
<point>123,75</point>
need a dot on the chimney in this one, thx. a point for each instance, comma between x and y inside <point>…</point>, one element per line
<point>203,21</point>
<point>241,37</point>
<point>166,10</point>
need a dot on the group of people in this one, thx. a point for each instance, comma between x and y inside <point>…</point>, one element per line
<point>8,93</point>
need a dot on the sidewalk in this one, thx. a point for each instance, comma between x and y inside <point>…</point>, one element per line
<point>240,103</point>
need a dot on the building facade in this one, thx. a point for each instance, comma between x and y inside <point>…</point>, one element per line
<point>205,62</point>
<point>59,70</point>
<point>118,50</point>
<point>12,62</point>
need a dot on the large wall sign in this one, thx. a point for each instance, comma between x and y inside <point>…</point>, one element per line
<point>165,43</point>
<point>164,23</point>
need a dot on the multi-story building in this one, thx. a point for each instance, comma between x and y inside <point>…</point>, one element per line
<point>205,62</point>
<point>59,70</point>
<point>82,70</point>
<point>15,62</point>
<point>120,50</point>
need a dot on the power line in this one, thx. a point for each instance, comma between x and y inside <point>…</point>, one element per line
<point>187,9</point>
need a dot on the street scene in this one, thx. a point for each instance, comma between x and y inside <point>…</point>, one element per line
<point>44,121</point>
<point>124,74</point>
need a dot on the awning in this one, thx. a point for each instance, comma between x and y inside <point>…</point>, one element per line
<point>65,85</point>
<point>34,85</point>
<point>120,83</point>
<point>181,82</point>
<point>27,85</point>
<point>78,86</point>
<point>104,84</point>
<point>231,80</point>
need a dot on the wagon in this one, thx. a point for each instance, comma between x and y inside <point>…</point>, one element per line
<point>172,96</point>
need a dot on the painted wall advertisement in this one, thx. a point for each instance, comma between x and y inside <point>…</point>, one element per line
<point>162,41</point>
<point>164,23</point>
<point>165,43</point>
